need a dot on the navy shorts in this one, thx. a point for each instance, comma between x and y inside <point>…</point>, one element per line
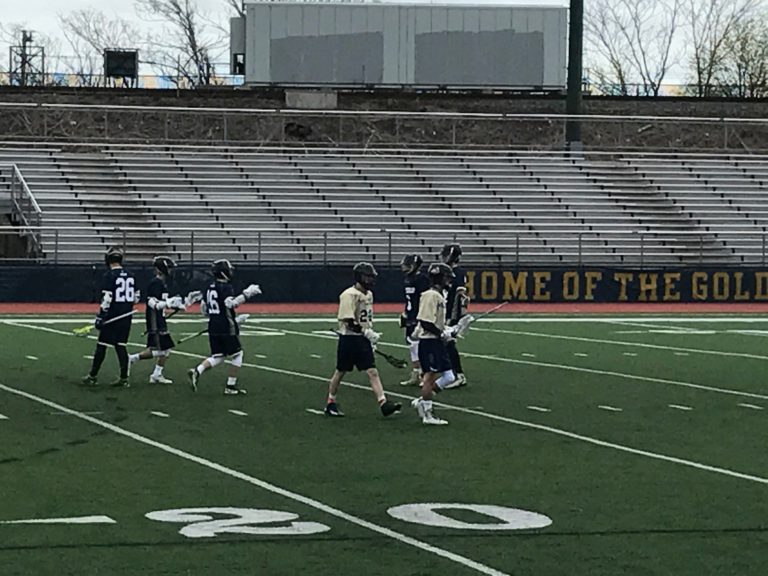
<point>354,351</point>
<point>433,356</point>
<point>224,344</point>
<point>160,341</point>
<point>116,333</point>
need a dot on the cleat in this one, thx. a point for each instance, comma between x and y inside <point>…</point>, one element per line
<point>193,378</point>
<point>234,391</point>
<point>430,419</point>
<point>159,380</point>
<point>389,408</point>
<point>460,381</point>
<point>332,409</point>
<point>419,407</point>
<point>89,380</point>
<point>121,383</point>
<point>413,380</point>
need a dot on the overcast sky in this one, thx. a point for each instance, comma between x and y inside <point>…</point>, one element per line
<point>41,14</point>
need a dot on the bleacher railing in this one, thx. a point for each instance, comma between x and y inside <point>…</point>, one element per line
<point>25,211</point>
<point>151,124</point>
<point>323,246</point>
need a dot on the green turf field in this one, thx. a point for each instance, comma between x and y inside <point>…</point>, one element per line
<point>642,440</point>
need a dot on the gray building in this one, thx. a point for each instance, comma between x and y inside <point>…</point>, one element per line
<point>399,44</point>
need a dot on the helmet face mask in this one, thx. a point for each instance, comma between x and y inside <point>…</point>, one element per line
<point>223,270</point>
<point>450,254</point>
<point>164,265</point>
<point>411,263</point>
<point>113,255</point>
<point>365,274</point>
<point>441,275</point>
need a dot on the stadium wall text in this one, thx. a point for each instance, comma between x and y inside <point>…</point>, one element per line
<point>78,283</point>
<point>619,285</point>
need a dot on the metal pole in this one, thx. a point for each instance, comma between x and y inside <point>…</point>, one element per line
<point>56,248</point>
<point>642,249</point>
<point>192,247</point>
<point>579,248</point>
<point>259,257</point>
<point>575,50</point>
<point>763,247</point>
<point>701,248</point>
<point>517,251</point>
<point>389,246</point>
<point>325,248</point>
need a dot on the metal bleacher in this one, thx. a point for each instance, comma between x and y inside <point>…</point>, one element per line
<point>337,205</point>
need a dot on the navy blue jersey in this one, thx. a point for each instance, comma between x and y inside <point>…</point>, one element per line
<point>221,320</point>
<point>414,285</point>
<point>120,284</point>
<point>156,318</point>
<point>452,311</point>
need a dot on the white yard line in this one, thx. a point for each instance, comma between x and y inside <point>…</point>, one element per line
<point>315,411</point>
<point>32,358</point>
<point>643,320</point>
<point>159,414</point>
<point>3,417</point>
<point>610,408</point>
<point>526,355</point>
<point>482,414</point>
<point>307,501</point>
<point>630,353</point>
<point>483,357</point>
<point>73,520</point>
<point>538,409</point>
<point>751,406</point>
<point>680,407</point>
<point>622,343</point>
<point>238,412</point>
<point>580,354</point>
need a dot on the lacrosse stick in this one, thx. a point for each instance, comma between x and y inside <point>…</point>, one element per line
<point>85,330</point>
<point>239,319</point>
<point>465,321</point>
<point>392,360</point>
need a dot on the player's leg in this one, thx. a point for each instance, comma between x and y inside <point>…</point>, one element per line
<point>161,354</point>
<point>365,360</point>
<point>455,359</point>
<point>122,331</point>
<point>413,347</point>
<point>216,358</point>
<point>344,363</point>
<point>235,363</point>
<point>98,359</point>
<point>434,361</point>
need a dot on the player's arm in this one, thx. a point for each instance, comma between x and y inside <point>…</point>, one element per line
<point>233,302</point>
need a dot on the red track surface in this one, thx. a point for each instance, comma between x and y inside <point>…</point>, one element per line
<point>517,308</point>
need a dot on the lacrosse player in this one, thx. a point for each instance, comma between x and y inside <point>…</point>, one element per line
<point>159,341</point>
<point>357,339</point>
<point>414,283</point>
<point>457,302</point>
<point>113,321</point>
<point>219,304</point>
<point>433,338</point>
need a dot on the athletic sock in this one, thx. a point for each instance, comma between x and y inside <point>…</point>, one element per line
<point>231,382</point>
<point>98,359</point>
<point>158,371</point>
<point>134,358</point>
<point>122,358</point>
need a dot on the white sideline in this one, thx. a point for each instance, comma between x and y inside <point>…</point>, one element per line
<point>475,412</point>
<point>622,343</point>
<point>574,369</point>
<point>312,503</point>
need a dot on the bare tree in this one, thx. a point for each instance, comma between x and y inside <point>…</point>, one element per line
<point>188,42</point>
<point>237,6</point>
<point>631,42</point>
<point>89,32</point>
<point>711,24</point>
<point>743,71</point>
